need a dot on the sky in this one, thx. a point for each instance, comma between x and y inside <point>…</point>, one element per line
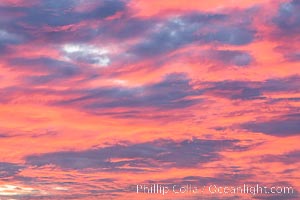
<point>99,98</point>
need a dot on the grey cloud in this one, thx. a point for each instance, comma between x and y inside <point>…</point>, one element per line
<point>136,157</point>
<point>249,90</point>
<point>60,13</point>
<point>290,158</point>
<point>282,126</point>
<point>167,94</point>
<point>52,70</point>
<point>288,18</point>
<point>192,29</point>
<point>227,57</point>
<point>9,169</point>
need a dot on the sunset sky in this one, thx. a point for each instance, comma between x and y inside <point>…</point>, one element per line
<point>99,96</point>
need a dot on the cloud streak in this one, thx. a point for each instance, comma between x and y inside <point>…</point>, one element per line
<point>97,96</point>
<point>139,157</point>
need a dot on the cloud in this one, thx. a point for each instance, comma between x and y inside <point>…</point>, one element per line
<point>135,157</point>
<point>73,68</point>
<point>232,35</point>
<point>154,36</point>
<point>250,90</point>
<point>286,25</point>
<point>64,12</point>
<point>44,64</point>
<point>228,57</point>
<point>293,57</point>
<point>86,54</point>
<point>9,169</point>
<point>168,36</point>
<point>50,69</point>
<point>234,90</point>
<point>7,39</point>
<point>288,18</point>
<point>57,22</point>
<point>289,158</point>
<point>170,93</point>
<point>194,28</point>
<point>282,126</point>
<point>290,83</point>
<point>128,27</point>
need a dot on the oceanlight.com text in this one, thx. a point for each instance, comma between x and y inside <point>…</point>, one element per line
<point>212,189</point>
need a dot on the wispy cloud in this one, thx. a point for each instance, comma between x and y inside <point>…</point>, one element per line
<point>96,96</point>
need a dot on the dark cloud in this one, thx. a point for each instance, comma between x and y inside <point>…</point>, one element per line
<point>126,27</point>
<point>106,8</point>
<point>249,90</point>
<point>156,35</point>
<point>235,90</point>
<point>44,64</point>
<point>194,29</point>
<point>283,126</point>
<point>171,93</point>
<point>290,158</point>
<point>166,37</point>
<point>293,57</point>
<point>7,39</point>
<point>44,20</point>
<point>60,13</point>
<point>9,169</point>
<point>6,135</point>
<point>135,157</point>
<point>286,29</point>
<point>51,69</point>
<point>227,57</point>
<point>107,31</point>
<point>288,84</point>
<point>234,35</point>
<point>288,18</point>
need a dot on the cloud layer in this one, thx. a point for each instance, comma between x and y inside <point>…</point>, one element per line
<point>97,96</point>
